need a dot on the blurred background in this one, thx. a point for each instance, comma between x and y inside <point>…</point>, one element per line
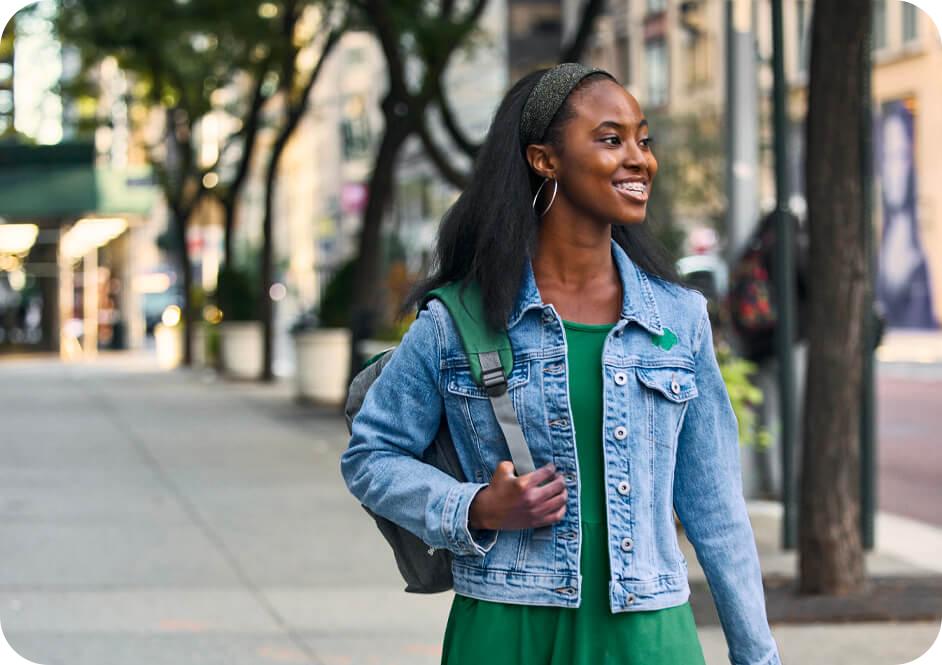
<point>211,211</point>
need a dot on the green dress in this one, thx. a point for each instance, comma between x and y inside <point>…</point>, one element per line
<point>480,631</point>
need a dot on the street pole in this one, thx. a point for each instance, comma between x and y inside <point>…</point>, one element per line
<point>742,128</point>
<point>784,283</point>
<point>868,396</point>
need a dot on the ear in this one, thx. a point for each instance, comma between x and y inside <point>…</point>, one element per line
<point>542,160</point>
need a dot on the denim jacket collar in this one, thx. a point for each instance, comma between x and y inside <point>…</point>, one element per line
<point>637,305</point>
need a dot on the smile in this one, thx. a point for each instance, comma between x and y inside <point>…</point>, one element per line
<point>634,191</point>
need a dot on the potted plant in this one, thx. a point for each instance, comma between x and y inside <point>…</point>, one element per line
<point>241,337</point>
<point>322,343</point>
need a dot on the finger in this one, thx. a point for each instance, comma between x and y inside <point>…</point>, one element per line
<point>552,518</point>
<point>504,469</point>
<point>540,494</point>
<point>551,505</point>
<point>541,475</point>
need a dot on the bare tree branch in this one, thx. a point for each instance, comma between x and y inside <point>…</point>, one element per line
<point>457,134</point>
<point>444,166</point>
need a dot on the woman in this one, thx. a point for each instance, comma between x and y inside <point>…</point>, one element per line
<point>617,391</point>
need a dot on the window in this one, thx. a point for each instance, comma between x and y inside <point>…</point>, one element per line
<point>879,24</point>
<point>910,23</point>
<point>656,74</point>
<point>655,6</point>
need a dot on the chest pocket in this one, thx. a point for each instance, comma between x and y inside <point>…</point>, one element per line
<point>480,426</point>
<point>667,393</point>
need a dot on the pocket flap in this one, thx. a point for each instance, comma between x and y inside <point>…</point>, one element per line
<point>678,384</point>
<point>460,381</point>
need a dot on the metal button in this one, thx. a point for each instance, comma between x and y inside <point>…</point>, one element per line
<point>568,535</point>
<point>548,316</point>
<point>624,487</point>
<point>566,591</point>
<point>675,387</point>
<point>630,599</point>
<point>621,378</point>
<point>627,544</point>
<point>621,432</point>
<point>570,478</point>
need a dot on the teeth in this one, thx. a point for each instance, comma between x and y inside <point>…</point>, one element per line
<point>631,186</point>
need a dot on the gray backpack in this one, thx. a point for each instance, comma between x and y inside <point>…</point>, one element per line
<point>426,569</point>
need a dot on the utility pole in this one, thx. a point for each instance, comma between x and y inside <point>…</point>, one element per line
<point>742,129</point>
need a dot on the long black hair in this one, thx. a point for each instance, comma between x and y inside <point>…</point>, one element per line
<point>488,234</point>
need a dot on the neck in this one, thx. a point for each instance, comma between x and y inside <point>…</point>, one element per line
<point>573,254</point>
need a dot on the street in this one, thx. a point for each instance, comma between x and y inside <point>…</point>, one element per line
<point>909,441</point>
<point>170,518</point>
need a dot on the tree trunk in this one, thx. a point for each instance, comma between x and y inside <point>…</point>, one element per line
<point>179,221</point>
<point>831,557</point>
<point>229,212</point>
<point>365,306</point>
<point>266,278</point>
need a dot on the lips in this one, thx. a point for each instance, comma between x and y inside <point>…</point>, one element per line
<point>633,190</point>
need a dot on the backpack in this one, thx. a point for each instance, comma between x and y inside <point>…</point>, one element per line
<point>427,569</point>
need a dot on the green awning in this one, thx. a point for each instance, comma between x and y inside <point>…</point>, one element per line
<point>61,182</point>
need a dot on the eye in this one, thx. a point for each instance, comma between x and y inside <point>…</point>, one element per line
<point>647,142</point>
<point>615,140</point>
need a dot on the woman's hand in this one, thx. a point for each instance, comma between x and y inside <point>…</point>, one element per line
<point>510,502</point>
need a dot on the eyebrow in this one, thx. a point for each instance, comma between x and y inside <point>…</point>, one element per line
<point>618,125</point>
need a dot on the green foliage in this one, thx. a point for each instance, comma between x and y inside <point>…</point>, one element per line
<point>744,396</point>
<point>237,294</point>
<point>334,310</point>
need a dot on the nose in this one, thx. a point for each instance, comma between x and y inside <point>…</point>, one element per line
<point>634,157</point>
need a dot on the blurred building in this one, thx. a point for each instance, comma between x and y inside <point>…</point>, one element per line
<point>670,54</point>
<point>534,35</point>
<point>74,195</point>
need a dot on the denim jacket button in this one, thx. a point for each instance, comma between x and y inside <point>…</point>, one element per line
<point>621,378</point>
<point>621,432</point>
<point>630,599</point>
<point>548,316</point>
<point>627,544</point>
<point>624,487</point>
<point>570,478</point>
<point>675,387</point>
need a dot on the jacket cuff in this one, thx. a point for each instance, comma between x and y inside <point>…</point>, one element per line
<point>772,658</point>
<point>461,539</point>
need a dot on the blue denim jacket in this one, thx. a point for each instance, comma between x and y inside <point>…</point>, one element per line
<point>669,437</point>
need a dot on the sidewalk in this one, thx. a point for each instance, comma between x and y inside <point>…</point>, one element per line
<point>151,518</point>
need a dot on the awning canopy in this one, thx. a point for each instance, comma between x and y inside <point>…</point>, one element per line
<point>54,184</point>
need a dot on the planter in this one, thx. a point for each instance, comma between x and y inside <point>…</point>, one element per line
<point>168,341</point>
<point>372,347</point>
<point>323,357</point>
<point>241,348</point>
<point>199,345</point>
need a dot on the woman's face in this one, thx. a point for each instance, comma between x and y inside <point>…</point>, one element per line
<point>605,165</point>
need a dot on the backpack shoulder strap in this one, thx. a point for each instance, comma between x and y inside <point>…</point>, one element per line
<point>466,307</point>
<point>491,359</point>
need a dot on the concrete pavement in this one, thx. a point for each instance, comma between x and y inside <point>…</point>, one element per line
<point>152,518</point>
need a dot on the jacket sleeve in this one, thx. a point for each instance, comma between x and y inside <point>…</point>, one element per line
<point>709,501</point>
<point>399,419</point>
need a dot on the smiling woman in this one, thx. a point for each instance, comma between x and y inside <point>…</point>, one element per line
<point>615,386</point>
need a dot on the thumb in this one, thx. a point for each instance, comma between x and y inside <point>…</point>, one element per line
<point>505,469</point>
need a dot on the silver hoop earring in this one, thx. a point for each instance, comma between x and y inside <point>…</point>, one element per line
<point>552,198</point>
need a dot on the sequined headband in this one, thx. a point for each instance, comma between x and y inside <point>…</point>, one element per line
<point>548,96</point>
